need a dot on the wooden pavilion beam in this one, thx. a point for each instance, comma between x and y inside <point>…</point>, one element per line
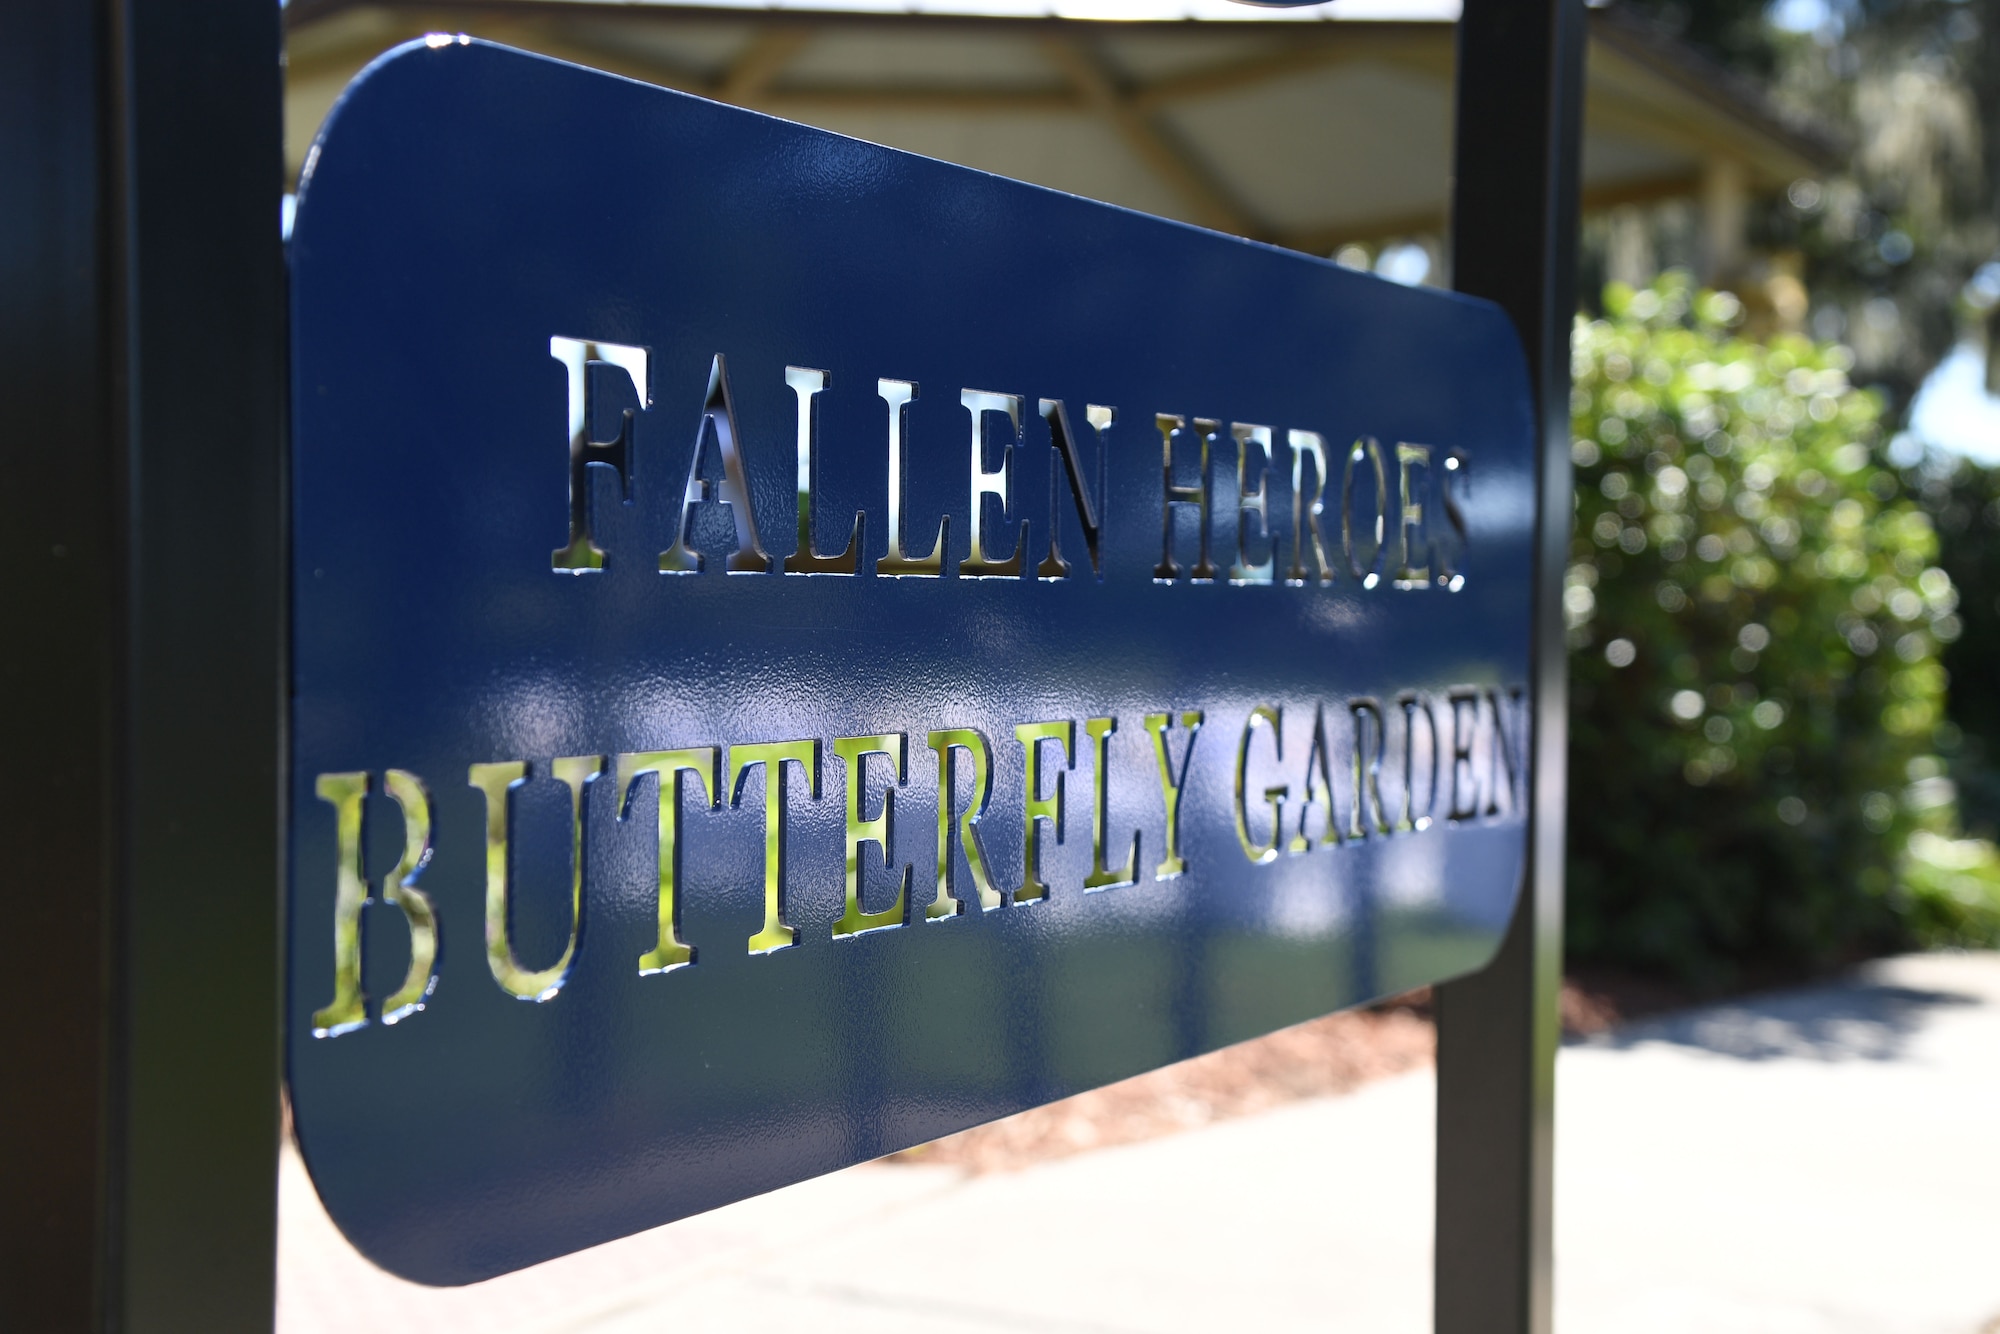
<point>557,41</point>
<point>1325,239</point>
<point>1304,53</point>
<point>1182,173</point>
<point>949,101</point>
<point>760,64</point>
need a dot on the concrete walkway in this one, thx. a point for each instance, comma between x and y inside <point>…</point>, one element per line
<point>1818,1162</point>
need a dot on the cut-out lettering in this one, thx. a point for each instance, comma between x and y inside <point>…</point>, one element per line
<point>897,562</point>
<point>1260,853</point>
<point>497,782</point>
<point>347,1010</point>
<point>806,385</point>
<point>1099,730</point>
<point>718,412</point>
<point>1464,776</point>
<point>1253,455</point>
<point>949,901</point>
<point>1174,494</point>
<point>399,888</point>
<point>670,951</point>
<point>1171,784</point>
<point>777,932</point>
<point>996,483</point>
<point>578,355</point>
<point>1410,519</point>
<point>1370,743</point>
<point>1319,789</point>
<point>1308,508</point>
<point>1457,481</point>
<point>879,830</point>
<point>347,793</point>
<point>1412,821</point>
<point>1369,572</point>
<point>1063,442</point>
<point>1037,808</point>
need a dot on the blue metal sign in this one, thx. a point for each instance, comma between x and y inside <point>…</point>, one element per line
<point>800,648</point>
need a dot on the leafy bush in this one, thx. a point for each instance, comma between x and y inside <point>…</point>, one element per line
<point>1755,616</point>
<point>1947,895</point>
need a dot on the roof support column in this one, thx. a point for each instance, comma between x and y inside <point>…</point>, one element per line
<point>1725,208</point>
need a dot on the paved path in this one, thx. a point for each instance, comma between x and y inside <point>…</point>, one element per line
<point>1819,1162</point>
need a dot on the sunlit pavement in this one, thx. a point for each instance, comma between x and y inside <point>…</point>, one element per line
<point>1820,1162</point>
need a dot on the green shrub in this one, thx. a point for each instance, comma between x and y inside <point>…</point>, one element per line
<point>1755,613</point>
<point>1948,892</point>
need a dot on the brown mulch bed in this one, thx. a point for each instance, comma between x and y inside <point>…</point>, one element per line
<point>1596,999</point>
<point>1330,1055</point>
<point>1325,1056</point>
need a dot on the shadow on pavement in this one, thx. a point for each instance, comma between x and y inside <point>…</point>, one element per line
<point>1853,1020</point>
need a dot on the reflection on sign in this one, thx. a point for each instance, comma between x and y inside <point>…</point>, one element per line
<point>858,646</point>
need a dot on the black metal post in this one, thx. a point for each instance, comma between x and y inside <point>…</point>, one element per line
<point>1514,215</point>
<point>141,433</point>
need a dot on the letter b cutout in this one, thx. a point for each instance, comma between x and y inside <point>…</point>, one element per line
<point>347,793</point>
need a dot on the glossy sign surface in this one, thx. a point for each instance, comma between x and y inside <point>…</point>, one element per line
<point>993,789</point>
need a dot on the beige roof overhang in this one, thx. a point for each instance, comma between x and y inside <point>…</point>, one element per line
<point>1307,128</point>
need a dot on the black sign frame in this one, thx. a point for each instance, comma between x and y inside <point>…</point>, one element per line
<point>142,486</point>
<point>142,476</point>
